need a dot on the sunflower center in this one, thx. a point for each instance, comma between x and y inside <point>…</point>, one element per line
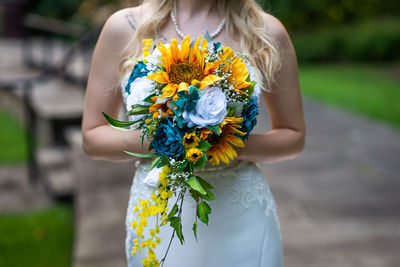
<point>185,72</point>
<point>189,140</point>
<point>215,139</point>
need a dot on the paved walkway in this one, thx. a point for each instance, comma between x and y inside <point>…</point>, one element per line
<point>338,201</point>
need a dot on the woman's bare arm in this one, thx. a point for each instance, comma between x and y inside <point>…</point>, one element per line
<point>99,139</point>
<point>286,139</point>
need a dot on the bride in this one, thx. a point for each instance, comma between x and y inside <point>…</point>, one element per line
<point>244,227</point>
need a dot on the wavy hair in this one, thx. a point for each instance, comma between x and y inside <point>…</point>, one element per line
<point>244,23</point>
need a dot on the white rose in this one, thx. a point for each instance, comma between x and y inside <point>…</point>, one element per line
<point>153,177</point>
<point>140,89</point>
<point>210,108</point>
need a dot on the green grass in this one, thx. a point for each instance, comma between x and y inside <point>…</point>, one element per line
<point>37,238</point>
<point>12,139</point>
<point>368,90</point>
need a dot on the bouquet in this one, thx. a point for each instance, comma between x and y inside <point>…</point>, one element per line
<point>192,102</point>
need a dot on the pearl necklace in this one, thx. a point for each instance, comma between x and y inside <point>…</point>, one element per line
<point>182,35</point>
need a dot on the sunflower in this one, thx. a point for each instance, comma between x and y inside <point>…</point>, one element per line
<point>194,155</point>
<point>160,109</point>
<point>185,66</point>
<point>237,69</point>
<point>221,144</point>
<point>190,140</point>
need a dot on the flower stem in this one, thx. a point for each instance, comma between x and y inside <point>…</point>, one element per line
<point>181,196</point>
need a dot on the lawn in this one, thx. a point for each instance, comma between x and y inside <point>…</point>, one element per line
<point>37,238</point>
<point>12,139</point>
<point>365,89</point>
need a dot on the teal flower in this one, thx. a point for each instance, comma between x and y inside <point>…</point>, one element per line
<point>168,140</point>
<point>249,118</point>
<point>138,71</point>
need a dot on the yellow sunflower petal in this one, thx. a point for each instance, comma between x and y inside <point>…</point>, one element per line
<point>169,90</point>
<point>175,51</point>
<point>185,48</point>
<point>193,50</point>
<point>199,59</point>
<point>211,67</point>
<point>183,87</point>
<point>160,77</point>
<point>229,151</point>
<point>234,140</point>
<point>208,80</point>
<point>221,155</point>
<point>204,45</point>
<point>213,158</point>
<point>165,56</point>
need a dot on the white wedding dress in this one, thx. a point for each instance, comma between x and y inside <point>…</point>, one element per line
<point>243,229</point>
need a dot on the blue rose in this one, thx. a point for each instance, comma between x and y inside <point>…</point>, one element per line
<point>249,118</point>
<point>168,140</point>
<point>138,71</point>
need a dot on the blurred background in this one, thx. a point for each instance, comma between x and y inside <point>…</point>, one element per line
<point>338,201</point>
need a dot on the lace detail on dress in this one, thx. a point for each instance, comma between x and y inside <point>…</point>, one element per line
<point>244,181</point>
<point>246,184</point>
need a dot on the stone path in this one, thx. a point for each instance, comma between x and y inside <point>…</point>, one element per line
<point>338,201</point>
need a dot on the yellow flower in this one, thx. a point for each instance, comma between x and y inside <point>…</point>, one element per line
<point>185,65</point>
<point>166,169</point>
<point>204,133</point>
<point>221,149</point>
<point>237,68</point>
<point>161,109</point>
<point>190,140</point>
<point>194,155</point>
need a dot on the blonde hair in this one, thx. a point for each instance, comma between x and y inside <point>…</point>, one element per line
<point>244,23</point>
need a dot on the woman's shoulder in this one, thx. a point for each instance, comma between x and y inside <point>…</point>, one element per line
<point>275,27</point>
<point>120,25</point>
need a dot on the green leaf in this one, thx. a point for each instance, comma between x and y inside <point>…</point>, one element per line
<point>204,145</point>
<point>183,164</point>
<point>177,225</point>
<point>195,185</point>
<point>250,89</point>
<point>203,210</point>
<point>154,163</point>
<point>138,109</point>
<point>118,123</point>
<point>165,160</point>
<point>214,128</point>
<point>195,229</point>
<point>141,155</point>
<point>173,211</point>
<point>209,196</point>
<point>195,195</point>
<point>201,162</point>
<point>148,99</point>
<point>204,183</point>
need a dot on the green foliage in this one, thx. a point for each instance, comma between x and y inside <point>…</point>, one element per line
<point>195,185</point>
<point>203,210</point>
<point>175,222</point>
<point>311,15</point>
<point>38,238</point>
<point>12,139</point>
<point>367,41</point>
<point>57,9</point>
<point>368,90</point>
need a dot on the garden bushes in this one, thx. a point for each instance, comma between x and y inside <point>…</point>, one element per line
<point>371,40</point>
